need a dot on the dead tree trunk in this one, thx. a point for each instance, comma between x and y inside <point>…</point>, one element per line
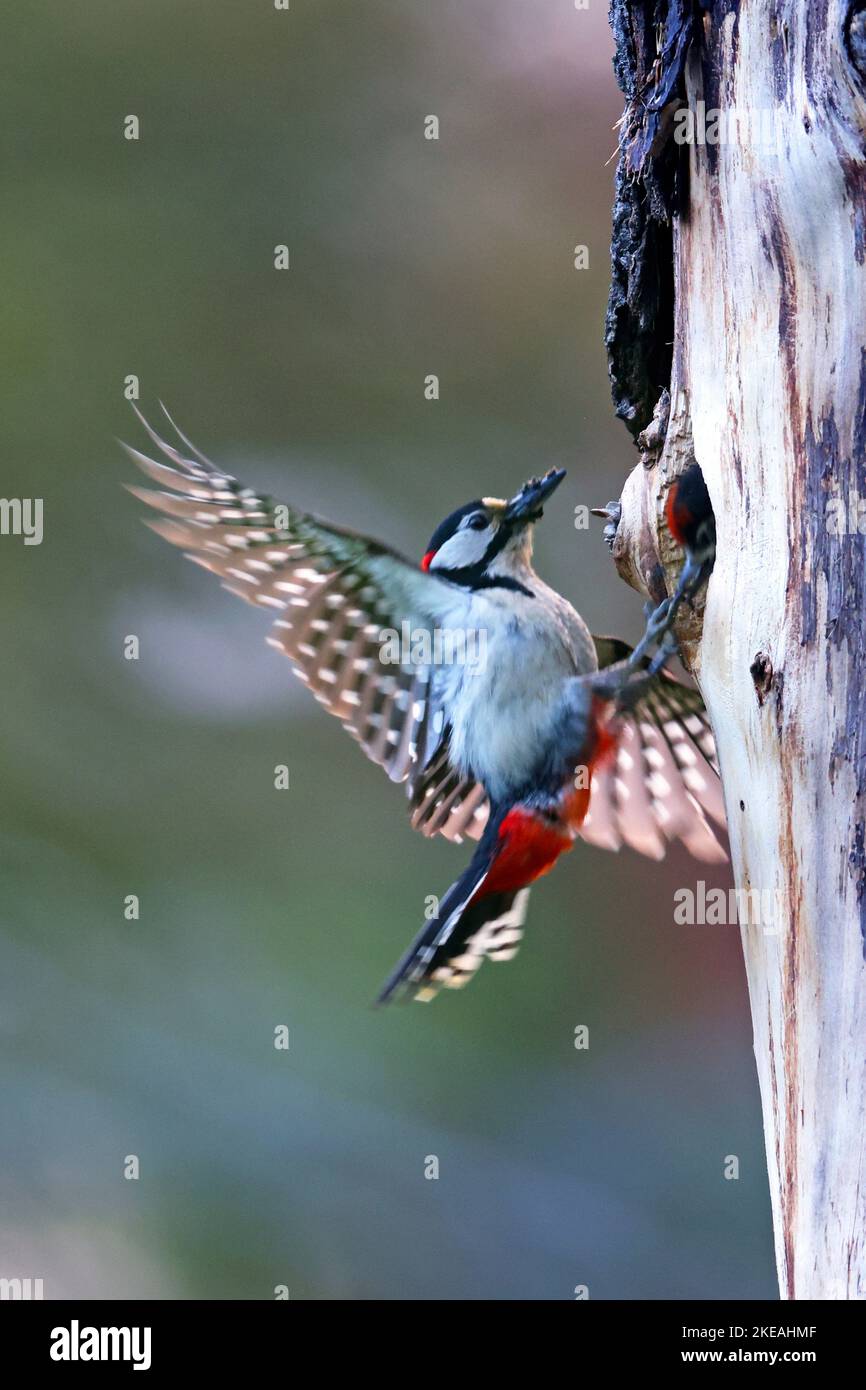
<point>739,284</point>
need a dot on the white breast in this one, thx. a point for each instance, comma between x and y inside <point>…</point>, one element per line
<point>504,713</point>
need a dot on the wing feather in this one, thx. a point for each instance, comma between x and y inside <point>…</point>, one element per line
<point>335,594</point>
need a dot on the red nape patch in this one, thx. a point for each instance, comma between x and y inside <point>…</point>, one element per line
<point>425,563</point>
<point>678,517</point>
<point>529,847</point>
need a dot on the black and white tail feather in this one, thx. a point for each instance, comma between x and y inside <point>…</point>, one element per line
<point>466,929</point>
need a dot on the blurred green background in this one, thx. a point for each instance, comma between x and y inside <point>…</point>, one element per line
<point>258,907</point>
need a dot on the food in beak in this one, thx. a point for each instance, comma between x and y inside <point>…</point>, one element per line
<point>526,505</point>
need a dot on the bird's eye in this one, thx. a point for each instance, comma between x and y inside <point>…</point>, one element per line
<point>478,522</point>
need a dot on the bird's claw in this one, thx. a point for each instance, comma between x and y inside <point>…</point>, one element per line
<point>658,623</point>
<point>660,620</point>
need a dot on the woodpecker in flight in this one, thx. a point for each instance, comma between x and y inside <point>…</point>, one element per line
<point>552,735</point>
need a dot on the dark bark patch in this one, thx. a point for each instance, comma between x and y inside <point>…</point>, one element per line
<point>855,37</point>
<point>779,707</point>
<point>821,92</point>
<point>778,251</point>
<point>777,248</point>
<point>652,38</point>
<point>780,44</point>
<point>640,311</point>
<point>718,61</point>
<point>838,554</point>
<point>761,671</point>
<point>855,189</point>
<point>859,443</point>
<point>857,868</point>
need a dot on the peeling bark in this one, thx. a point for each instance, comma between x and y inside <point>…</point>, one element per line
<point>768,384</point>
<point>652,43</point>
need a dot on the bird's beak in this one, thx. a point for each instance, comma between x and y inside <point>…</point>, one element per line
<point>611,513</point>
<point>527,504</point>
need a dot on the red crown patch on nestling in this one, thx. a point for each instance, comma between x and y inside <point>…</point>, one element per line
<point>678,516</point>
<point>688,506</point>
<point>426,562</point>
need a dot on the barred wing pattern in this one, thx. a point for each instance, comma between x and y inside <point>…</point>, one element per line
<point>443,802</point>
<point>663,784</point>
<point>333,593</point>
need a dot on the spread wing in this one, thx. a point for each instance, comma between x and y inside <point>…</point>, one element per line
<point>336,597</point>
<point>663,784</point>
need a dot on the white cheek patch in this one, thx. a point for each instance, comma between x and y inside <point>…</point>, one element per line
<point>464,549</point>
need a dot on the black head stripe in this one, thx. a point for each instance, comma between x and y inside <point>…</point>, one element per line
<point>451,524</point>
<point>476,576</point>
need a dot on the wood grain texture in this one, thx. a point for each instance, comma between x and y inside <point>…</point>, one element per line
<point>769,369</point>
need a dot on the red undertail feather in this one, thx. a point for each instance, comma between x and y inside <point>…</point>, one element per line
<point>529,846</point>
